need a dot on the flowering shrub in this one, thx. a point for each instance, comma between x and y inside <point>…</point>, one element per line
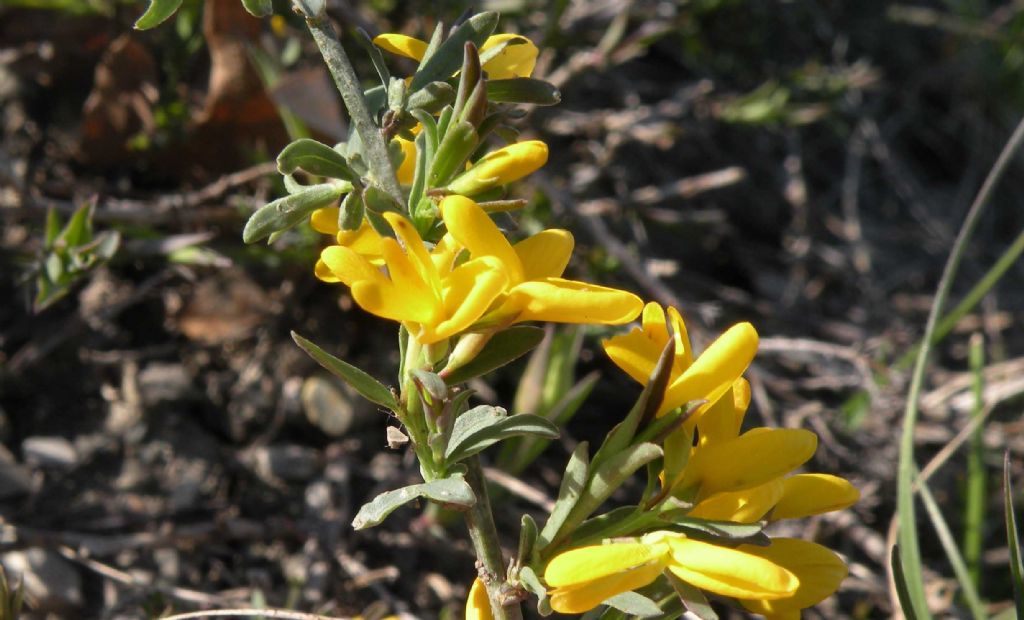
<point>407,203</point>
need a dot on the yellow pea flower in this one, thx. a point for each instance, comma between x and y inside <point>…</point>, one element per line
<point>804,495</point>
<point>534,290</point>
<point>692,378</point>
<point>364,241</point>
<point>478,606</point>
<point>516,60</point>
<point>429,294</point>
<point>819,571</point>
<point>580,579</point>
<point>500,167</point>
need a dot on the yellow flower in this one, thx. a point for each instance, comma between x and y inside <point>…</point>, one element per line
<point>364,241</point>
<point>478,606</point>
<point>500,167</point>
<point>427,292</point>
<point>580,579</point>
<point>516,60</point>
<point>819,571</point>
<point>752,488</point>
<point>534,289</point>
<point>706,377</point>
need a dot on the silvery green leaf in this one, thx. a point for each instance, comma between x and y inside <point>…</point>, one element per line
<point>693,599</point>
<point>157,12</point>
<point>432,384</point>
<point>366,42</point>
<point>378,201</point>
<point>259,8</point>
<point>644,408</point>
<point>502,348</point>
<point>634,604</point>
<point>511,426</point>
<point>315,158</point>
<point>527,539</point>
<point>574,480</point>
<point>523,90</point>
<point>452,492</point>
<point>432,97</point>
<point>529,580</point>
<point>371,389</point>
<point>457,145</point>
<point>286,212</point>
<point>448,58</point>
<point>472,421</point>
<point>748,533</point>
<point>350,216</point>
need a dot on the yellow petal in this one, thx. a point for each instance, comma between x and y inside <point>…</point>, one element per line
<point>347,266</point>
<point>578,566</point>
<point>684,352</point>
<point>414,250</point>
<point>501,167</point>
<point>407,170</point>
<point>401,45</point>
<point>325,220</point>
<point>811,494</point>
<point>546,254</point>
<point>474,230</point>
<point>635,353</point>
<point>365,240</point>
<point>729,572</point>
<point>722,421</point>
<point>586,596</point>
<point>751,459</point>
<point>324,273</point>
<point>467,294</point>
<point>569,301</point>
<point>819,570</point>
<point>389,301</point>
<point>478,606</point>
<point>745,506</point>
<point>515,60</point>
<point>406,288</point>
<point>715,370</point>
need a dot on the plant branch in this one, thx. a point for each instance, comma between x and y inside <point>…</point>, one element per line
<point>480,522</point>
<point>374,146</point>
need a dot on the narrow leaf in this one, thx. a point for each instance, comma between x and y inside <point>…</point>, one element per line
<point>527,539</point>
<point>644,408</point>
<point>432,384</point>
<point>1013,539</point>
<point>503,347</point>
<point>448,57</point>
<point>370,388</point>
<point>52,227</point>
<point>476,419</point>
<point>608,477</point>
<point>693,599</point>
<point>158,11</point>
<point>510,426</point>
<point>315,158</point>
<point>259,8</point>
<point>78,230</point>
<point>432,97</point>
<point>452,491</point>
<point>573,482</point>
<point>523,90</point>
<point>635,604</point>
<point>899,578</point>
<point>366,42</point>
<point>286,212</point>
<point>457,145</point>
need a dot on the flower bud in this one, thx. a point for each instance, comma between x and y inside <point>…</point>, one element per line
<point>501,167</point>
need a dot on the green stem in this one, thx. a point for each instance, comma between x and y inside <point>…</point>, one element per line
<point>374,147</point>
<point>910,549</point>
<point>414,418</point>
<point>974,502</point>
<point>480,522</point>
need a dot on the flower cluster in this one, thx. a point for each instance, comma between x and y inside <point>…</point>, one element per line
<point>713,473</point>
<point>409,212</point>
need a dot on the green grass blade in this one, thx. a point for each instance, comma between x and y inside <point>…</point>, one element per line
<point>967,585</point>
<point>908,539</point>
<point>975,492</point>
<point>899,578</point>
<point>1012,539</point>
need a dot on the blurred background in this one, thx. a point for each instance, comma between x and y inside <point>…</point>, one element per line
<point>801,165</point>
